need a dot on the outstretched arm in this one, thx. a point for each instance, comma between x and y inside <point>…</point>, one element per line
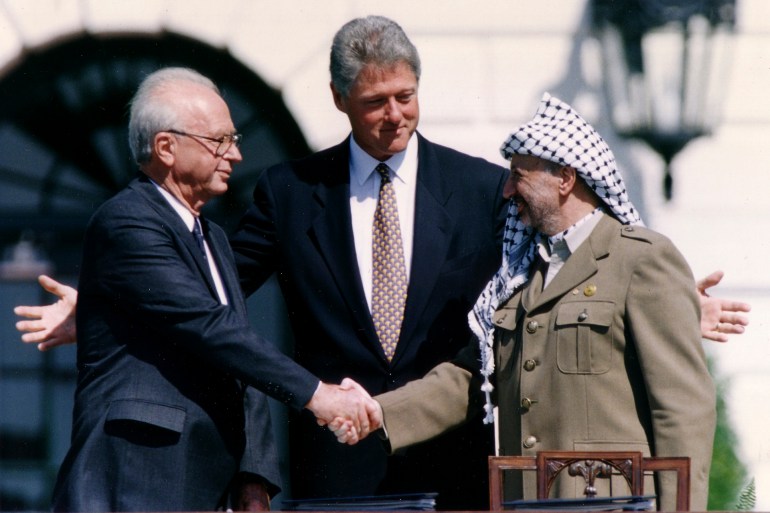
<point>422,409</point>
<point>52,325</point>
<point>720,317</point>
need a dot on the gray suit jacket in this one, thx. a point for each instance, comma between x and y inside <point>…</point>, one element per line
<point>608,356</point>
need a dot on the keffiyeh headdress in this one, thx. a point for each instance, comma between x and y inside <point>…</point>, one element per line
<point>558,134</point>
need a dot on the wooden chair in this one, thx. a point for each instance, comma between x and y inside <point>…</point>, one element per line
<point>590,465</point>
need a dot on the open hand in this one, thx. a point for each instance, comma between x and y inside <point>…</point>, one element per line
<point>720,317</point>
<point>52,325</point>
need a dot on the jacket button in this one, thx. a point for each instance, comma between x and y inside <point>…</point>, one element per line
<point>583,316</point>
<point>532,326</point>
<point>530,442</point>
<point>530,365</point>
<point>527,403</point>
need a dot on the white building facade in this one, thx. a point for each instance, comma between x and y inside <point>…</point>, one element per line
<point>485,67</point>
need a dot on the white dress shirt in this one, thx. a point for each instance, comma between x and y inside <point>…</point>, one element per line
<point>565,243</point>
<point>364,192</point>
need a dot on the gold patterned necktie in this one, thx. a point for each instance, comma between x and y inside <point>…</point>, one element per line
<point>389,282</point>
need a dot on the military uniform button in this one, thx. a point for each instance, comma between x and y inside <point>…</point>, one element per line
<point>582,317</point>
<point>530,442</point>
<point>532,326</point>
<point>527,403</point>
<point>530,365</point>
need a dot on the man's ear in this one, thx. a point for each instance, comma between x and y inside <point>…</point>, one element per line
<point>165,146</point>
<point>568,177</point>
<point>339,100</point>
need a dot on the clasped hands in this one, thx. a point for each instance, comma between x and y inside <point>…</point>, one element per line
<point>347,410</point>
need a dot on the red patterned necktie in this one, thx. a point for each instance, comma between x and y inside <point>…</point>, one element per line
<point>389,280</point>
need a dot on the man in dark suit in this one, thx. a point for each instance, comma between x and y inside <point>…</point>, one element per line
<point>311,222</point>
<point>163,416</point>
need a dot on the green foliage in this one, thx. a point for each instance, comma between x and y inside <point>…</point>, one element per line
<point>728,473</point>
<point>748,497</point>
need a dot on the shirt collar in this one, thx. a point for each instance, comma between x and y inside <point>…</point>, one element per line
<point>571,238</point>
<point>186,215</point>
<point>403,164</point>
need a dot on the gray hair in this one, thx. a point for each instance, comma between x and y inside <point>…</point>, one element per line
<point>370,40</point>
<point>151,113</point>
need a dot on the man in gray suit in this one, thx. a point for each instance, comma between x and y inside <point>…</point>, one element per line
<point>588,334</point>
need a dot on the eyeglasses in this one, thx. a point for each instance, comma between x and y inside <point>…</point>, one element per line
<point>224,142</point>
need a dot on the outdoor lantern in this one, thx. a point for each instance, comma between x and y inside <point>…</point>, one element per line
<point>665,69</point>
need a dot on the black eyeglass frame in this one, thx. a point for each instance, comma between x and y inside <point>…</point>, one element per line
<point>225,141</point>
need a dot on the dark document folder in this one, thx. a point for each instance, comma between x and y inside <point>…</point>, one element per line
<point>627,503</point>
<point>408,502</point>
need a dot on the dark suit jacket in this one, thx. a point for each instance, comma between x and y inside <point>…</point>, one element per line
<point>159,421</point>
<point>300,227</point>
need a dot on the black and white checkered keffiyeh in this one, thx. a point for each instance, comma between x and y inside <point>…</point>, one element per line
<point>558,134</point>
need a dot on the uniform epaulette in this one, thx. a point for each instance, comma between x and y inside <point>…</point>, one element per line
<point>637,233</point>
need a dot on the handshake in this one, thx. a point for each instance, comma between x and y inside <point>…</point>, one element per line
<point>347,410</point>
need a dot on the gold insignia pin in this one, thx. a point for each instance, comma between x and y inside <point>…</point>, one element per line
<point>590,290</point>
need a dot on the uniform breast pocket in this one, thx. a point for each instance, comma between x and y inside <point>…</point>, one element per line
<point>584,337</point>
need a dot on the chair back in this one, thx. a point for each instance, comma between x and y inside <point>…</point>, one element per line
<point>590,465</point>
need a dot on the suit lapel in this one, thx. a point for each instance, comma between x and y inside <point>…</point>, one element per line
<point>432,233</point>
<point>147,189</point>
<point>535,285</point>
<point>581,265</point>
<point>220,248</point>
<point>332,234</point>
